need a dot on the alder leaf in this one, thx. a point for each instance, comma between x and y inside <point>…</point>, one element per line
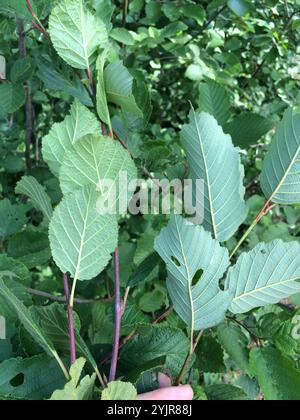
<point>119,88</point>
<point>265,275</point>
<point>31,188</point>
<point>76,33</point>
<point>214,99</point>
<point>29,324</point>
<point>12,218</point>
<point>63,135</point>
<point>195,264</point>
<point>12,98</point>
<point>277,375</point>
<point>102,106</point>
<point>118,391</point>
<point>75,390</point>
<point>213,158</point>
<point>280,178</point>
<point>82,239</point>
<point>96,159</point>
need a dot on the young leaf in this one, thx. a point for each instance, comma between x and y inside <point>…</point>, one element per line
<point>189,252</point>
<point>76,33</point>
<point>117,391</point>
<point>30,187</point>
<point>30,325</point>
<point>63,135</point>
<point>102,106</point>
<point>213,158</point>
<point>265,275</point>
<point>277,376</point>
<point>214,99</point>
<point>280,178</point>
<point>93,160</point>
<point>119,88</point>
<point>75,390</point>
<point>81,239</point>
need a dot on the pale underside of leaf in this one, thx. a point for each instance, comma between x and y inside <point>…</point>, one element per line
<point>76,34</point>
<point>81,239</point>
<point>186,249</point>
<point>62,136</point>
<point>94,160</point>
<point>280,178</point>
<point>265,275</point>
<point>213,158</point>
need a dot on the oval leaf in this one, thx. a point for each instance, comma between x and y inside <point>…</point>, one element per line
<point>81,239</point>
<point>187,249</point>
<point>265,275</point>
<point>213,158</point>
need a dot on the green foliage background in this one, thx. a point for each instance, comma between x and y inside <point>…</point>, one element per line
<point>238,61</point>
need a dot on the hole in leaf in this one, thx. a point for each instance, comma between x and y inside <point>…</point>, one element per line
<point>263,252</point>
<point>175,261</point>
<point>18,380</point>
<point>197,277</point>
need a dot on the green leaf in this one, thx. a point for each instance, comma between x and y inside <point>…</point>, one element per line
<point>75,222</point>
<point>30,325</point>
<point>225,393</point>
<point>54,323</point>
<point>235,343</point>
<point>75,390</point>
<point>194,11</point>
<point>76,34</point>
<point>277,375</point>
<point>248,129</point>
<point>60,78</point>
<point>19,7</point>
<point>41,377</point>
<point>12,217</point>
<point>280,178</point>
<point>102,106</point>
<point>265,275</point>
<point>30,187</point>
<point>143,271</point>
<point>210,356</point>
<point>94,160</point>
<point>119,88</point>
<point>17,268</point>
<point>12,98</point>
<point>30,247</point>
<point>195,264</point>
<point>239,7</point>
<point>63,135</point>
<point>214,99</point>
<point>119,391</point>
<point>162,344</point>
<point>213,158</point>
<point>123,36</point>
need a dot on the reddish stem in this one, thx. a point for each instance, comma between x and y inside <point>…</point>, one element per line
<point>70,321</point>
<point>118,318</point>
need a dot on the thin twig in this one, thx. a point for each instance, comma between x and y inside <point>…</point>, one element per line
<point>188,359</point>
<point>70,321</point>
<point>61,299</point>
<point>28,104</point>
<point>118,318</point>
